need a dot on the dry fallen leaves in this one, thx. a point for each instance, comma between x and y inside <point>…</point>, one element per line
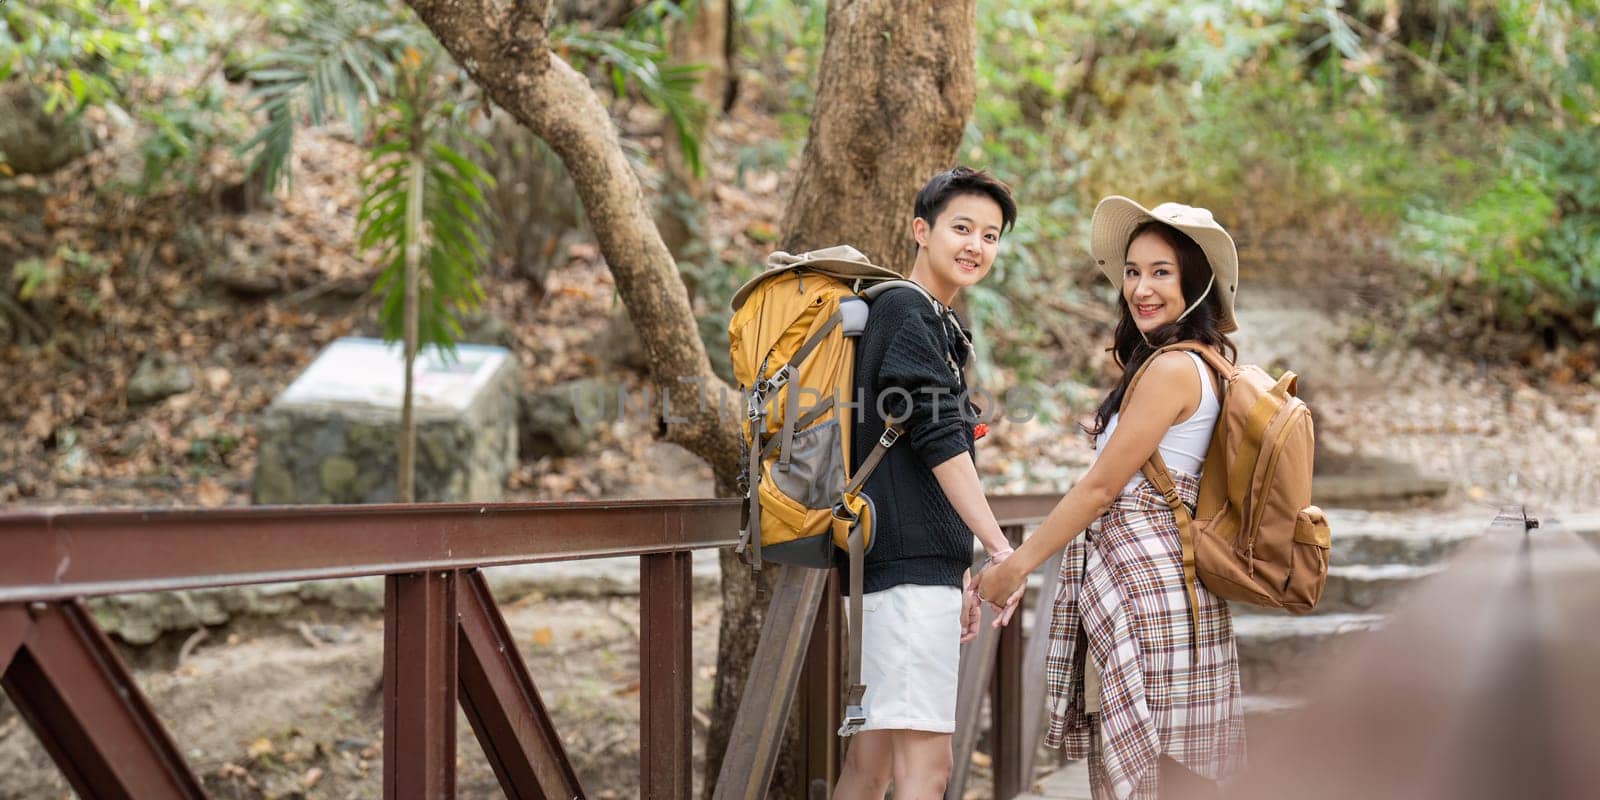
<point>542,637</point>
<point>211,494</point>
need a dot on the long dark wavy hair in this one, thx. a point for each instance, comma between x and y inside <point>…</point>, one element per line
<point>1132,349</point>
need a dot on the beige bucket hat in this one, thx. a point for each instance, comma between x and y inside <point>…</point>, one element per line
<point>1116,217</point>
<point>840,261</point>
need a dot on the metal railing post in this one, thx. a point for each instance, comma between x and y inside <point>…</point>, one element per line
<point>666,700</point>
<point>419,686</point>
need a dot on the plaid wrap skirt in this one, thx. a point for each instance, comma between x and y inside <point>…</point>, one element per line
<point>1164,690</point>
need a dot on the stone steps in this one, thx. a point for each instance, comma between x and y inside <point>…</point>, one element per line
<point>1358,588</point>
<point>1363,537</point>
<point>1276,654</point>
<point>1267,716</point>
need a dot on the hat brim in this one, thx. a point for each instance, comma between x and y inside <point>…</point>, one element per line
<point>1114,220</point>
<point>838,268</point>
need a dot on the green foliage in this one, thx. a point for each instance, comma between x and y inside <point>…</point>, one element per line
<point>632,61</point>
<point>1465,129</point>
<point>82,52</point>
<point>352,60</point>
<point>45,278</point>
<point>338,59</point>
<point>1532,235</point>
<point>781,41</point>
<point>136,58</point>
<point>420,125</point>
<point>180,130</point>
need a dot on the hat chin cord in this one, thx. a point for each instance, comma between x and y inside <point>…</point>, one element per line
<point>1197,300</point>
<point>1192,306</point>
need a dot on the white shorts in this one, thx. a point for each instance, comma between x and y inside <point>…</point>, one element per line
<point>911,657</point>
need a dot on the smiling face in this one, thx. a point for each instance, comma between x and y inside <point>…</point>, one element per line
<point>1151,284</point>
<point>958,249</point>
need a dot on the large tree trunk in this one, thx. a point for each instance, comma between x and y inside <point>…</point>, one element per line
<point>894,90</point>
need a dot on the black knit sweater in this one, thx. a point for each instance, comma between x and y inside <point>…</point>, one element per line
<point>918,537</point>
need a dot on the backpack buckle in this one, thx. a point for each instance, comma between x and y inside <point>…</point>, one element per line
<point>855,716</point>
<point>767,386</point>
<point>843,513</point>
<point>755,405</point>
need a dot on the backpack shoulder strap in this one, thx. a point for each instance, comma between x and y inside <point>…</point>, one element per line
<point>876,290</point>
<point>1215,360</point>
<point>1222,366</point>
<point>1155,471</point>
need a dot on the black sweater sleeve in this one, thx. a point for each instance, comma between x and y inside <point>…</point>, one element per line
<point>915,369</point>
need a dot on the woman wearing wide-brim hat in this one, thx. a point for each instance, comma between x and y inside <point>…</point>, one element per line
<point>1135,682</point>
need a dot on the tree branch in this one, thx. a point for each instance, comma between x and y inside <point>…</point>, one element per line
<point>558,105</point>
<point>528,32</point>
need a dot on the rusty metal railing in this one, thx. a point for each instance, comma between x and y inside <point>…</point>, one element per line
<point>445,641</point>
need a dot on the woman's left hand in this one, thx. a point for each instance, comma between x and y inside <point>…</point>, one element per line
<point>1001,588</point>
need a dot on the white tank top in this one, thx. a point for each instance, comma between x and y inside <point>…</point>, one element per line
<point>1184,446</point>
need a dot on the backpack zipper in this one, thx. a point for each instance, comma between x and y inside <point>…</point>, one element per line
<point>1271,470</point>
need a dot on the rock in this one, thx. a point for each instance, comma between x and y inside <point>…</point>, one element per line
<point>620,345</point>
<point>245,280</point>
<point>562,420</point>
<point>482,327</point>
<point>339,478</point>
<point>158,376</point>
<point>1279,654</point>
<point>333,435</point>
<point>33,141</point>
<point>244,273</point>
<point>332,634</point>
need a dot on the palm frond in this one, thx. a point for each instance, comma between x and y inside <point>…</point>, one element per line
<point>643,64</point>
<point>455,220</point>
<point>338,62</point>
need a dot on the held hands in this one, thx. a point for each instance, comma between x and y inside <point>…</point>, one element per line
<point>996,585</point>
<point>971,612</point>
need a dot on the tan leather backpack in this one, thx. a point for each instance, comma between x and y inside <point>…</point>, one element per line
<point>1254,535</point>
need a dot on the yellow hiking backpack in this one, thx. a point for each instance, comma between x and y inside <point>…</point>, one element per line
<point>792,339</point>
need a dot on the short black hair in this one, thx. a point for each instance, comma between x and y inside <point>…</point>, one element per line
<point>956,181</point>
